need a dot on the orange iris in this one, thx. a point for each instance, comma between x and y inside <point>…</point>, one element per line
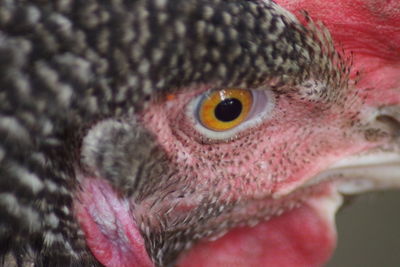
<point>225,109</point>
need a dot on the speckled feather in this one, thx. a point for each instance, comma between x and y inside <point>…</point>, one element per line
<point>67,64</point>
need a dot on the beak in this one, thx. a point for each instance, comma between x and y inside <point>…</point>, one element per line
<point>367,219</point>
<point>376,169</point>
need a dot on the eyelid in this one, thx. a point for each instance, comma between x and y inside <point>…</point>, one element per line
<point>261,109</point>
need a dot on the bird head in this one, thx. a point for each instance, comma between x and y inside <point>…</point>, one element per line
<point>256,119</point>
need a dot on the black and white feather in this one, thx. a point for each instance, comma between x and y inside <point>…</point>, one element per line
<point>66,65</point>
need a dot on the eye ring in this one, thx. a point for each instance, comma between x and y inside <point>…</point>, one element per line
<point>263,103</point>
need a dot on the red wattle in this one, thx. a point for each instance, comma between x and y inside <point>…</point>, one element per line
<point>303,237</point>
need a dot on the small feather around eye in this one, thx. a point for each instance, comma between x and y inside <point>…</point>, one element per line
<point>261,109</point>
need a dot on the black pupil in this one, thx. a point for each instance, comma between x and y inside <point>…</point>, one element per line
<point>228,109</point>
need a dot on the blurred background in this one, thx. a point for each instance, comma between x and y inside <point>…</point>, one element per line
<point>369,232</point>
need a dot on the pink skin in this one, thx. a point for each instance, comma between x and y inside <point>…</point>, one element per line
<point>111,231</point>
<point>296,141</point>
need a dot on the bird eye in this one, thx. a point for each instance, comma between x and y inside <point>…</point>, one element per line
<point>225,109</point>
<point>221,114</point>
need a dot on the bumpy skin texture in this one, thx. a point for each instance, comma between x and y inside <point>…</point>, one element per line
<point>67,65</point>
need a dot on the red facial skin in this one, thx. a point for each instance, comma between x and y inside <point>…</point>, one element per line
<point>370,30</point>
<point>296,141</point>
